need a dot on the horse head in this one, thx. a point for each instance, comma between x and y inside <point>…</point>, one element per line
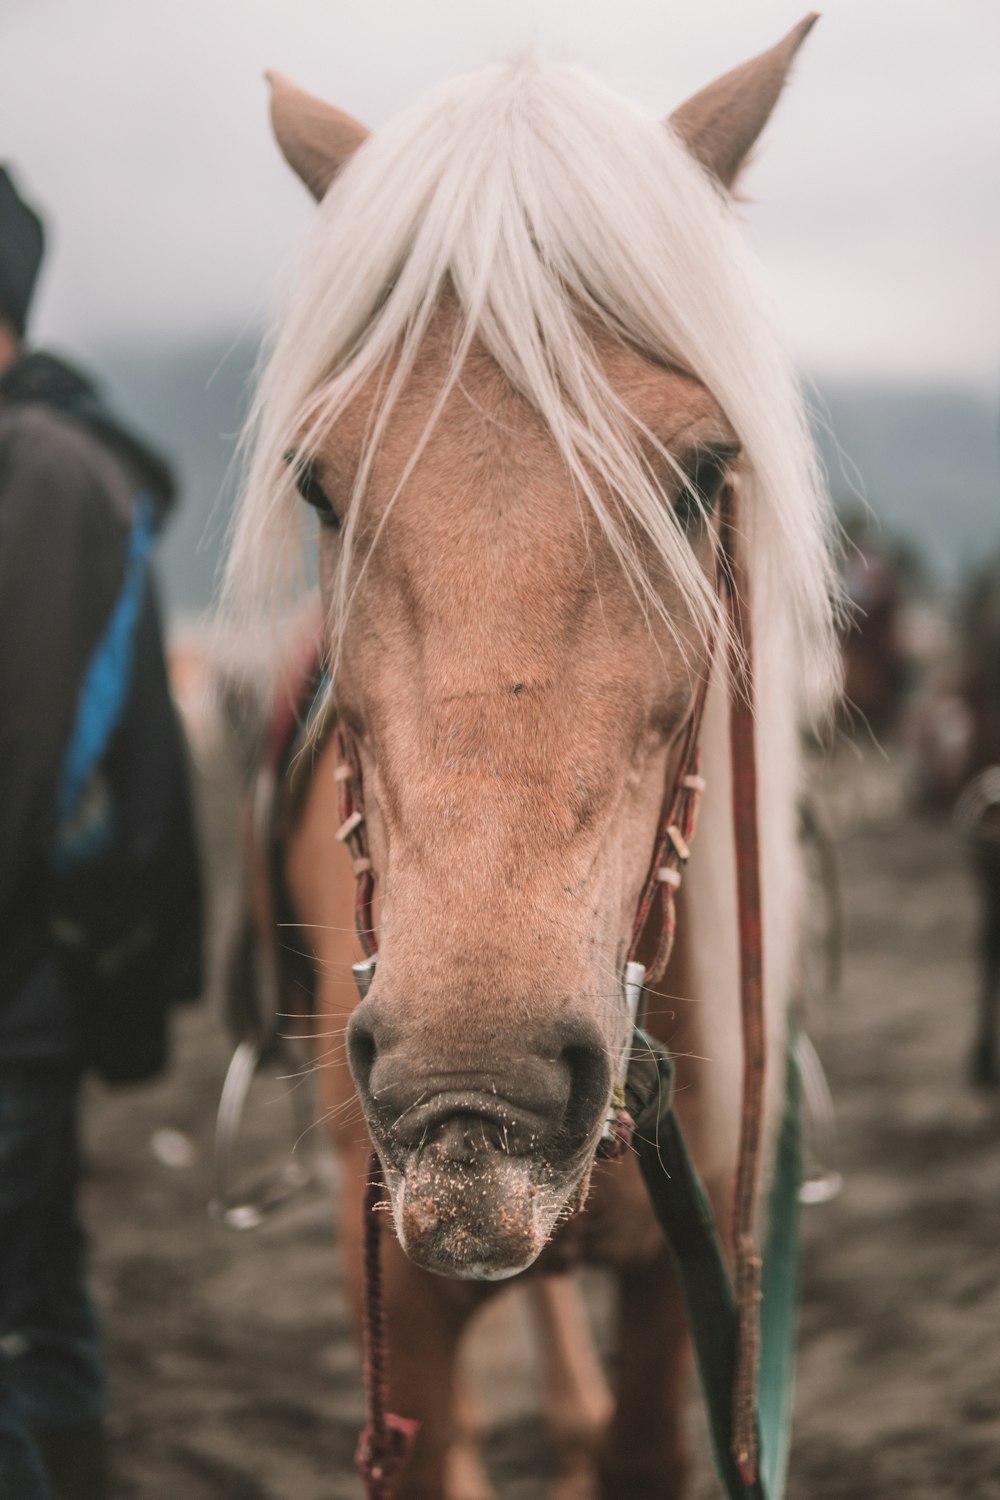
<point>517,408</point>
<point>518,715</point>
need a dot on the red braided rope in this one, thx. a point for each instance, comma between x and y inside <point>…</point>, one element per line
<point>747,1261</point>
<point>387,1441</point>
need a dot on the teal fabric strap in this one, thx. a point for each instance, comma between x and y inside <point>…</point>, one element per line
<point>778,1320</point>
<point>683,1209</point>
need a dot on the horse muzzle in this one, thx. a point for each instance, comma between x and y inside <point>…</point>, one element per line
<point>485,1137</point>
<point>479,1220</point>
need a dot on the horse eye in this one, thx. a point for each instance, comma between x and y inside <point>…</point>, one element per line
<point>706,476</point>
<point>308,484</point>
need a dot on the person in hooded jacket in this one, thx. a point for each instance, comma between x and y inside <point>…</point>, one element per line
<point>100,893</point>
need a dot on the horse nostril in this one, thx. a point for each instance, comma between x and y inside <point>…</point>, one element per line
<point>589,1075</point>
<point>361,1050</point>
<point>547,1092</point>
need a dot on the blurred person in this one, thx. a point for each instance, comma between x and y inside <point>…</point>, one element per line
<point>100,901</point>
<point>876,670</point>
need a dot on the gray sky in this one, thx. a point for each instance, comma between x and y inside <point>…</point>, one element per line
<point>140,126</point>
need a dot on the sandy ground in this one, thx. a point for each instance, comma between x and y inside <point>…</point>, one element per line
<point>234,1375</point>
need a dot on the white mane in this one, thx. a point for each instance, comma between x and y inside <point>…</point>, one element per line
<point>539,196</point>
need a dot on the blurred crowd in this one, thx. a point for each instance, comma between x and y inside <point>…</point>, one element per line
<point>921,666</point>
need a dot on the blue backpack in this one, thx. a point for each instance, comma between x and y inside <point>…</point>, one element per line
<point>126,900</point>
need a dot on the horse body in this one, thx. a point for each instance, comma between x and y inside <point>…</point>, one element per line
<point>518,435</point>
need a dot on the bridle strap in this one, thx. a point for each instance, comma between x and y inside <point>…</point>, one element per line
<point>680,819</point>
<point>746,835</point>
<point>670,856</point>
<point>672,847</point>
<point>353,833</point>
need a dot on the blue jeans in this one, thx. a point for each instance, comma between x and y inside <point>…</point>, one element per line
<point>51,1365</point>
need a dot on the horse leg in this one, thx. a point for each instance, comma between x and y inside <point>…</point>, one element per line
<point>426,1317</point>
<point>575,1393</point>
<point>465,1473</point>
<point>984,1063</point>
<point>646,1455</point>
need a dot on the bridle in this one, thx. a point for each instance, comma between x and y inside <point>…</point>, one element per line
<point>386,1441</point>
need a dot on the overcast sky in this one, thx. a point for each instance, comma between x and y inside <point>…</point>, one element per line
<point>140,127</point>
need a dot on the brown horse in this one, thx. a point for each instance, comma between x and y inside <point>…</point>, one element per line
<point>978,807</point>
<point>522,380</point>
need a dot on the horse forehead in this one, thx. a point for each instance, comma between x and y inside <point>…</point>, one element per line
<point>489,480</point>
<point>487,467</point>
<point>488,428</point>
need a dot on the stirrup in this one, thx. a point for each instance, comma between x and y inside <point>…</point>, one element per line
<point>821,1178</point>
<point>231,1205</point>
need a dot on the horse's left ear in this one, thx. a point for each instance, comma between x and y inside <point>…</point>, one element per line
<point>316,140</point>
<point>720,124</point>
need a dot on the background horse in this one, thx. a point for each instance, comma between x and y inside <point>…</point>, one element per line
<point>521,380</point>
<point>978,807</point>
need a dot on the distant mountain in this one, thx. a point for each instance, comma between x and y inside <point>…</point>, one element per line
<point>191,403</point>
<point>925,458</point>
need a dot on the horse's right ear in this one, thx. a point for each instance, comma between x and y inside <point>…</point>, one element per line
<point>720,124</point>
<point>316,140</point>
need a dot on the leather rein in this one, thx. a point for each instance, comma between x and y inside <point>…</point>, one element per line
<point>387,1439</point>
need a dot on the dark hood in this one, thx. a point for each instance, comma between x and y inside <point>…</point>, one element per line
<point>22,245</point>
<point>43,379</point>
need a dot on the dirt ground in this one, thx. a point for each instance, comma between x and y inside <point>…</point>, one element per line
<point>234,1375</point>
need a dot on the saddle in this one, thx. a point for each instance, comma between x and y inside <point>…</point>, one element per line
<point>263,973</point>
